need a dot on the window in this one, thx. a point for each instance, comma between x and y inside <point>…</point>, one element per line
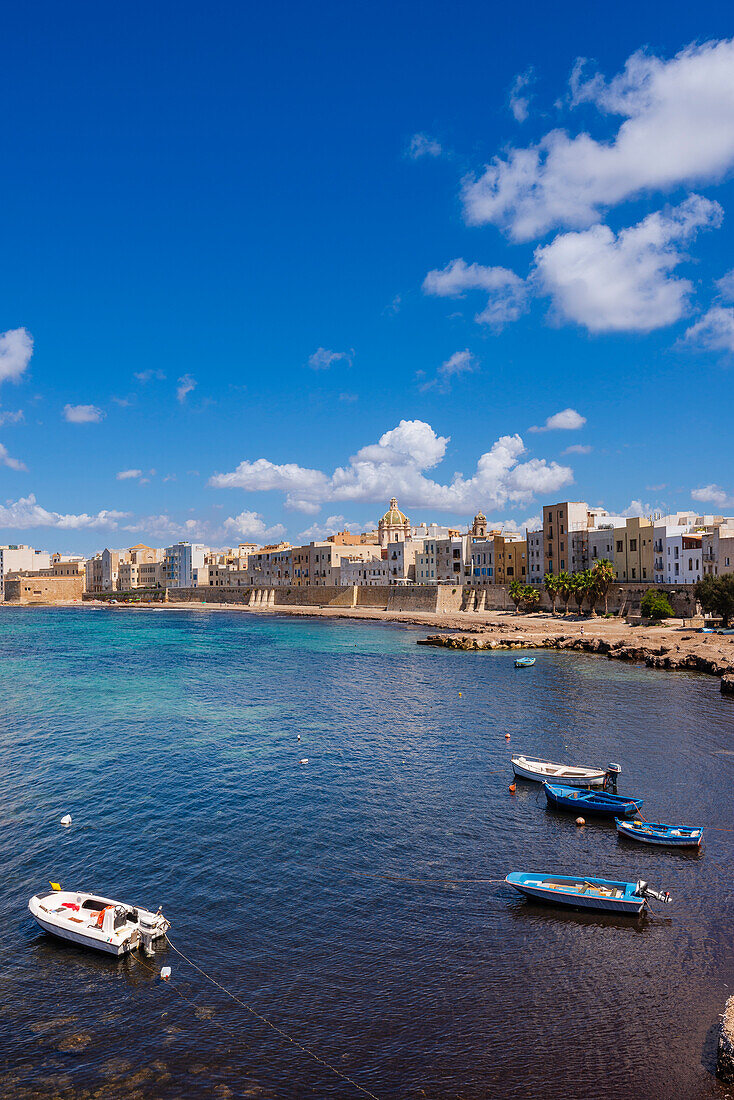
<point>633,573</point>
<point>563,564</point>
<point>633,544</point>
<point>619,546</point>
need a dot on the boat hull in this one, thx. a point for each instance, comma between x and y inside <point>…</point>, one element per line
<point>643,835</point>
<point>81,940</point>
<point>88,920</point>
<point>597,803</point>
<point>593,777</point>
<point>538,888</point>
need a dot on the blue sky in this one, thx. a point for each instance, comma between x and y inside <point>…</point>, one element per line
<point>274,263</point>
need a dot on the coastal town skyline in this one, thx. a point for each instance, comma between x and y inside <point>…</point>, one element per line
<point>213,349</point>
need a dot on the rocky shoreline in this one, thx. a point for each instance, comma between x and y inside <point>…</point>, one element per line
<point>664,655</point>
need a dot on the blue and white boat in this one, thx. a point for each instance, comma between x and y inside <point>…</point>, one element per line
<point>654,832</point>
<point>591,802</point>
<point>606,895</point>
<point>524,662</point>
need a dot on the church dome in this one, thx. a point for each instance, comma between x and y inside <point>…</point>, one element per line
<point>393,516</point>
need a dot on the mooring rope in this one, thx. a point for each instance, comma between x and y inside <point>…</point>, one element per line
<point>272,1026</point>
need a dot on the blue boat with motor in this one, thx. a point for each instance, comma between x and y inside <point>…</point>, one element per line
<point>654,832</point>
<point>607,895</point>
<point>592,802</point>
<point>524,662</point>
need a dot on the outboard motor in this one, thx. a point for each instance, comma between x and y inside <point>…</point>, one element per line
<point>644,891</point>
<point>610,779</point>
<point>148,928</point>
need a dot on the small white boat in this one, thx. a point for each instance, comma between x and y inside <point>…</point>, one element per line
<point>546,771</point>
<point>96,922</point>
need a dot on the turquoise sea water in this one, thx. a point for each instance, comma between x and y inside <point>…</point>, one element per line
<point>318,893</point>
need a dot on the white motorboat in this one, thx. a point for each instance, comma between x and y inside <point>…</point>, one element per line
<point>546,771</point>
<point>96,922</point>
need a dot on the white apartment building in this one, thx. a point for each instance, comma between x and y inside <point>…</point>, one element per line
<point>14,558</point>
<point>601,544</point>
<point>444,560</point>
<point>481,553</point>
<point>401,558</point>
<point>181,564</point>
<point>717,549</point>
<point>368,573</point>
<point>536,570</point>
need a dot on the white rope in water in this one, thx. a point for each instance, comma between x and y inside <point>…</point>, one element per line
<point>272,1026</point>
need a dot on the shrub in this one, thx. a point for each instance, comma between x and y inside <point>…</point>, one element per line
<point>655,605</point>
<point>716,594</point>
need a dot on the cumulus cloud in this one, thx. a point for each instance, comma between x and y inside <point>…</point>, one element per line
<point>725,286</point>
<point>519,99</point>
<point>677,130</point>
<point>330,526</point>
<point>565,420</point>
<point>715,330</point>
<point>16,349</point>
<point>323,358</point>
<point>621,282</point>
<point>83,414</point>
<point>421,145</point>
<point>461,362</point>
<point>636,509</point>
<point>186,384</point>
<point>578,449</point>
<point>8,417</point>
<point>712,494</point>
<point>11,463</point>
<point>127,475</point>
<point>148,375</point>
<point>396,464</point>
<point>26,512</point>
<point>251,525</point>
<point>507,291</point>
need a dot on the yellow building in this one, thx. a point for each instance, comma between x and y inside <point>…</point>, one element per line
<point>633,550</point>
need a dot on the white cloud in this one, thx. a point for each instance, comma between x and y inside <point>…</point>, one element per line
<point>16,349</point>
<point>715,330</point>
<point>507,291</point>
<point>578,449</point>
<point>566,420</point>
<point>9,417</point>
<point>636,509</point>
<point>83,414</point>
<point>185,385</point>
<point>147,375</point>
<point>251,525</point>
<point>127,475</point>
<point>622,282</point>
<point>726,286</point>
<point>396,465</point>
<point>519,100</point>
<point>677,131</point>
<point>461,362</point>
<point>323,358</point>
<point>421,145</point>
<point>26,512</point>
<point>11,463</point>
<point>712,494</point>
<point>330,526</point>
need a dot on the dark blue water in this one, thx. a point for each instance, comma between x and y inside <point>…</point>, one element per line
<point>317,893</point>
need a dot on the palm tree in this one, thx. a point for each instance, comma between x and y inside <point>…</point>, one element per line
<point>550,583</point>
<point>564,581</point>
<point>604,576</point>
<point>579,588</point>
<point>516,594</point>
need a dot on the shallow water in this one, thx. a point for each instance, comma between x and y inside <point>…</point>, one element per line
<point>318,893</point>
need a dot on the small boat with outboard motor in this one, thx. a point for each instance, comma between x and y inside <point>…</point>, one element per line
<point>570,775</point>
<point>592,802</point>
<point>524,662</point>
<point>607,895</point>
<point>100,923</point>
<point>655,832</point>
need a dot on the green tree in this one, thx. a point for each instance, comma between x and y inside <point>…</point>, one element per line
<point>655,605</point>
<point>550,583</point>
<point>516,594</point>
<point>604,576</point>
<point>579,588</point>
<point>530,597</point>
<point>716,595</point>
<point>565,587</point>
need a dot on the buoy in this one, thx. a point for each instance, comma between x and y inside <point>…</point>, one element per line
<point>580,821</point>
<point>304,761</point>
<point>299,737</point>
<point>513,788</point>
<point>507,737</point>
<point>165,973</point>
<point>66,819</point>
<point>460,695</point>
